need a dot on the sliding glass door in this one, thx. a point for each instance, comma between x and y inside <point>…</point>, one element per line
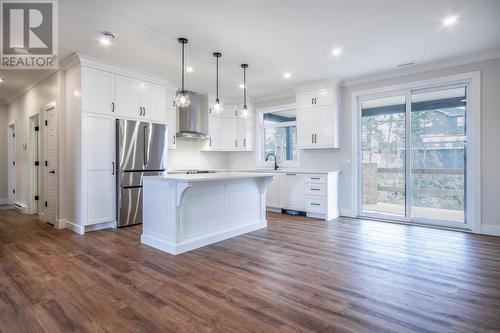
<point>426,185</point>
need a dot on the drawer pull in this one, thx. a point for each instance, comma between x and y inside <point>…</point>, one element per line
<point>315,189</point>
<point>315,178</point>
<point>291,174</point>
<point>315,204</point>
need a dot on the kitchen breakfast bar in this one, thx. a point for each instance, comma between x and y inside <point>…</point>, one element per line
<point>183,212</point>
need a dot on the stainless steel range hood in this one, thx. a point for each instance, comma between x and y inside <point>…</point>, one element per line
<point>193,120</point>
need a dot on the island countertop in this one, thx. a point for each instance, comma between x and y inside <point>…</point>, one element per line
<point>202,177</point>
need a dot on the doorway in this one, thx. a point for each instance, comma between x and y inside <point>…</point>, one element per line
<point>34,160</point>
<point>49,168</point>
<point>413,164</point>
<point>11,162</point>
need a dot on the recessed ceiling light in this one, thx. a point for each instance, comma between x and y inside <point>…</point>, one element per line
<point>450,20</point>
<point>189,69</point>
<point>242,86</point>
<point>287,75</point>
<point>337,51</point>
<point>106,38</point>
<point>1,79</point>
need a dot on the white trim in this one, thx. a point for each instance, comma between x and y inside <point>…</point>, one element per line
<point>259,119</point>
<point>489,229</point>
<point>473,181</point>
<point>100,226</point>
<point>348,213</point>
<point>76,228</point>
<point>331,82</point>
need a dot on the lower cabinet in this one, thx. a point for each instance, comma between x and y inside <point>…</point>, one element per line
<point>98,161</point>
<point>315,194</point>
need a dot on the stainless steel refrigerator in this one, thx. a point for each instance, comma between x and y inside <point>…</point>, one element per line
<point>141,150</point>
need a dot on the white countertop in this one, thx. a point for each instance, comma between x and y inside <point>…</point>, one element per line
<point>265,170</point>
<point>201,177</point>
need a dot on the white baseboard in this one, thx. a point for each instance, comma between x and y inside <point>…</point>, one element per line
<point>76,228</point>
<point>489,229</point>
<point>4,201</point>
<point>100,226</point>
<point>273,209</point>
<point>191,244</point>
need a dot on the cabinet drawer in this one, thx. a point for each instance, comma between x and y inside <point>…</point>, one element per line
<point>315,189</point>
<point>317,179</point>
<point>315,204</point>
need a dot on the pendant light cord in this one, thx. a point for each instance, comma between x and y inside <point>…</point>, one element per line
<point>217,79</point>
<point>182,89</point>
<point>245,86</point>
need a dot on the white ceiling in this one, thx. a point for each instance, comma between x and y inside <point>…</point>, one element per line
<point>272,36</point>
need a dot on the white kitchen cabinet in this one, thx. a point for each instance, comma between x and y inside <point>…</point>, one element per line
<point>171,119</point>
<point>98,159</point>
<point>127,97</point>
<point>318,118</point>
<point>152,101</point>
<point>306,127</point>
<point>228,133</point>
<point>273,193</point>
<point>314,194</point>
<point>292,191</point>
<point>96,93</point>
<point>317,97</point>
<point>139,99</point>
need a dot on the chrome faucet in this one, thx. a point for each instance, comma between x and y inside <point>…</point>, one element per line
<point>275,161</point>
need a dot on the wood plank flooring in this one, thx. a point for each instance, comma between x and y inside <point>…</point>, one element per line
<point>299,275</point>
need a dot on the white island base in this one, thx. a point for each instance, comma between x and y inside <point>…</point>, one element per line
<point>184,212</point>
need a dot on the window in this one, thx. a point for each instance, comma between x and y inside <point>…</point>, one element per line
<point>279,135</point>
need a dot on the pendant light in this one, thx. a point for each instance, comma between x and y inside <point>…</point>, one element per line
<point>182,99</point>
<point>244,112</point>
<point>218,108</point>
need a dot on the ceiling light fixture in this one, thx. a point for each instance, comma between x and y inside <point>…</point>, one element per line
<point>449,21</point>
<point>218,105</point>
<point>337,51</point>
<point>189,69</point>
<point>1,80</point>
<point>182,99</point>
<point>244,112</point>
<point>106,38</point>
<point>287,75</point>
<point>241,86</point>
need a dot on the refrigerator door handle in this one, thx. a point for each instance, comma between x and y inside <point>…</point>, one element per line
<point>145,146</point>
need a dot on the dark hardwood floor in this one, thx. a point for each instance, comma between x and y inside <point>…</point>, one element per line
<point>299,275</point>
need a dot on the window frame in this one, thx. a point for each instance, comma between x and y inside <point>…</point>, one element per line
<point>473,125</point>
<point>261,139</point>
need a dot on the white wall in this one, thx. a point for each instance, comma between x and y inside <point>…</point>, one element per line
<point>3,154</point>
<point>341,158</point>
<point>188,155</point>
<point>19,111</point>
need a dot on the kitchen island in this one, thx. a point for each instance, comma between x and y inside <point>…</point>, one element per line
<point>182,212</point>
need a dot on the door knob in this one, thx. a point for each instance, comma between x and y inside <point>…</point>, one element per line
<point>52,171</point>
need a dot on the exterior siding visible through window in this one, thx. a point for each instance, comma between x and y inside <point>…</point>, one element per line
<point>279,135</point>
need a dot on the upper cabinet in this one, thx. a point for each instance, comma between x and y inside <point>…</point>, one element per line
<point>318,117</point>
<point>126,97</point>
<point>229,130</point>
<point>97,93</point>
<point>171,119</point>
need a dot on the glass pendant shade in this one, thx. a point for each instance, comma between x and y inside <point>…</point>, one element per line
<point>244,112</point>
<point>182,100</point>
<point>218,108</point>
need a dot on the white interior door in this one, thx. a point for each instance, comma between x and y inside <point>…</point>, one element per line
<point>11,156</point>
<point>50,166</point>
